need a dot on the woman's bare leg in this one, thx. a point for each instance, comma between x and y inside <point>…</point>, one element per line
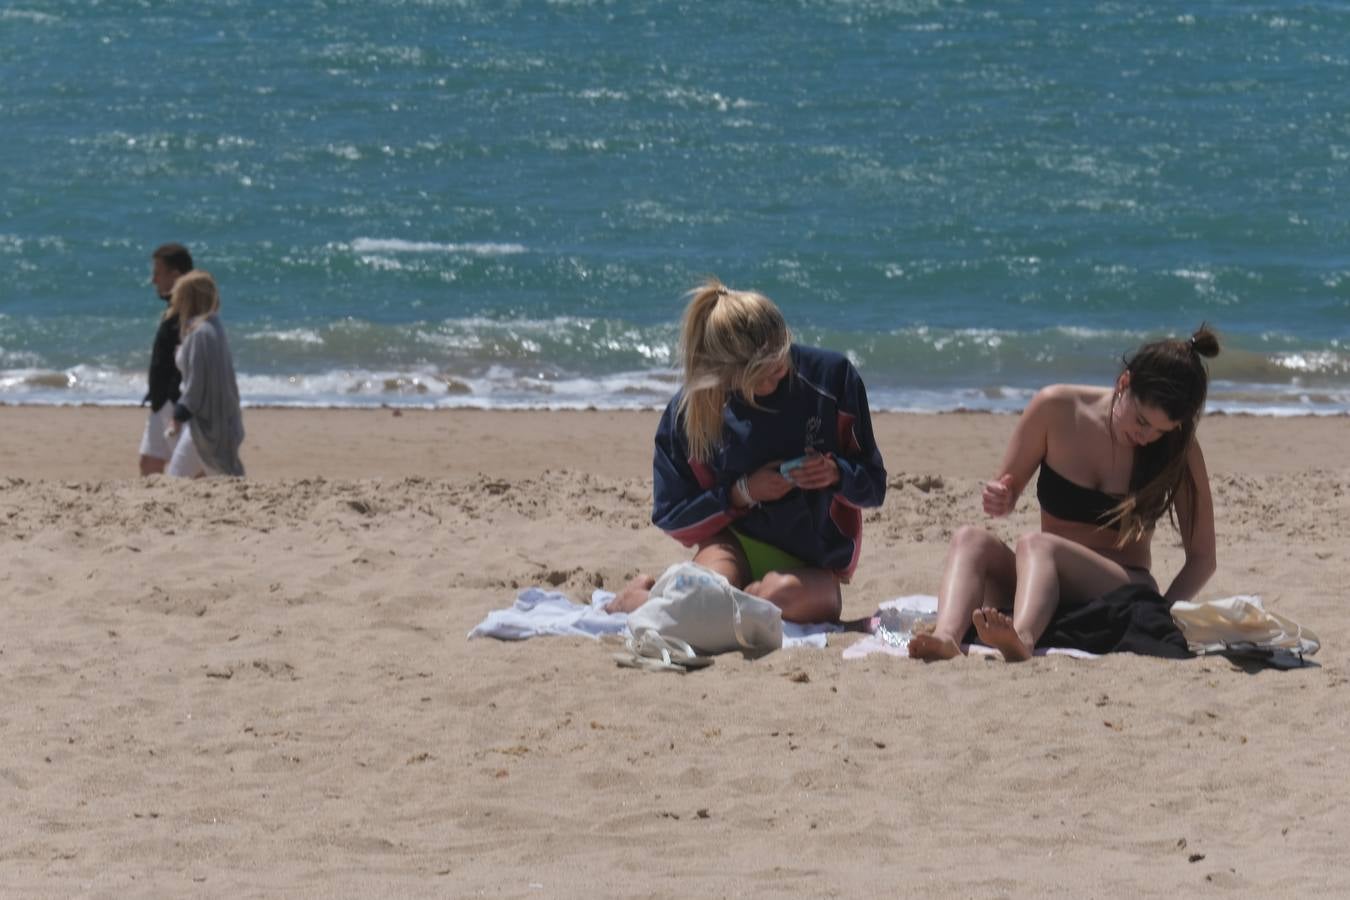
<point>1050,570</point>
<point>723,554</point>
<point>980,571</point>
<point>804,595</point>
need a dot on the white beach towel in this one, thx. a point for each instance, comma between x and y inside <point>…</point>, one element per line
<point>922,608</point>
<point>538,613</point>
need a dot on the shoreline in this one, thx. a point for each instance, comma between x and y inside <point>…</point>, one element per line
<point>1290,413</point>
<point>432,407</point>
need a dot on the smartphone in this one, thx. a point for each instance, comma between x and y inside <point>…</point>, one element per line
<point>791,464</point>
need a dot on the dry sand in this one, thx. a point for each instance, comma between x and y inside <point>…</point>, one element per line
<point>263,687</point>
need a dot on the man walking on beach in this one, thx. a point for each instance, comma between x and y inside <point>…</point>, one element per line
<point>169,261</point>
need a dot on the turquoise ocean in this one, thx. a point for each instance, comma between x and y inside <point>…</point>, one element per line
<point>500,204</point>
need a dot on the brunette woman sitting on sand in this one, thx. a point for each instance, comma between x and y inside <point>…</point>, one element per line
<point>1113,461</point>
<point>764,459</point>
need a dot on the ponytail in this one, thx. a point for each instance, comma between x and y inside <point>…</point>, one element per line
<point>728,341</point>
<point>1204,342</point>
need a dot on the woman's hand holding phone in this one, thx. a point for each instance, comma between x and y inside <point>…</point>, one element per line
<point>767,483</point>
<point>812,472</point>
<point>775,480</point>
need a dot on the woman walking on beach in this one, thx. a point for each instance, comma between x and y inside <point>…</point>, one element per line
<point>1113,461</point>
<point>764,459</point>
<point>208,410</point>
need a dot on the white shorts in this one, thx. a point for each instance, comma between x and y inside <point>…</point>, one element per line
<point>153,443</point>
<point>186,462</point>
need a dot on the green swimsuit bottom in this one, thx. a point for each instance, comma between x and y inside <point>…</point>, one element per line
<point>765,558</point>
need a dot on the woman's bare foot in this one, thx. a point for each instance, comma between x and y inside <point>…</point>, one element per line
<point>996,630</point>
<point>632,595</point>
<point>929,647</point>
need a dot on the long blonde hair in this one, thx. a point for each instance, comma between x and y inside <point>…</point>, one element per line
<point>729,340</point>
<point>194,295</point>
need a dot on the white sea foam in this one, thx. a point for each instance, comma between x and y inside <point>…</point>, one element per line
<point>73,385</point>
<point>18,358</point>
<point>289,336</point>
<point>395,245</point>
<point>687,97</point>
<point>382,263</point>
<point>29,15</point>
<point>1312,362</point>
<point>602,94</point>
<point>568,144</point>
<point>528,385</point>
<point>505,387</point>
<point>344,151</point>
<point>1083,333</point>
<point>13,243</point>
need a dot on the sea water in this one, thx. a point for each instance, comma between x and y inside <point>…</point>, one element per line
<point>501,204</point>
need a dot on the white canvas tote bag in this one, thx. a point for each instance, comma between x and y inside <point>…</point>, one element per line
<point>1237,622</point>
<point>699,607</point>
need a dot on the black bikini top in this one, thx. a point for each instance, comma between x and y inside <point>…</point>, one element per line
<point>1063,499</point>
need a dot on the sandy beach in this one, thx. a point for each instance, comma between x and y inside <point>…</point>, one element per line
<point>263,687</point>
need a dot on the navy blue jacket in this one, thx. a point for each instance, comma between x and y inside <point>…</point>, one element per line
<point>820,404</point>
<point>165,380</point>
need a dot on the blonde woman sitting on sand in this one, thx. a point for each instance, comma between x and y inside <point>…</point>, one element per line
<point>1113,461</point>
<point>764,459</point>
<point>208,410</point>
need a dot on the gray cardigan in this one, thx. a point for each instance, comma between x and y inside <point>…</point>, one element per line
<point>211,395</point>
